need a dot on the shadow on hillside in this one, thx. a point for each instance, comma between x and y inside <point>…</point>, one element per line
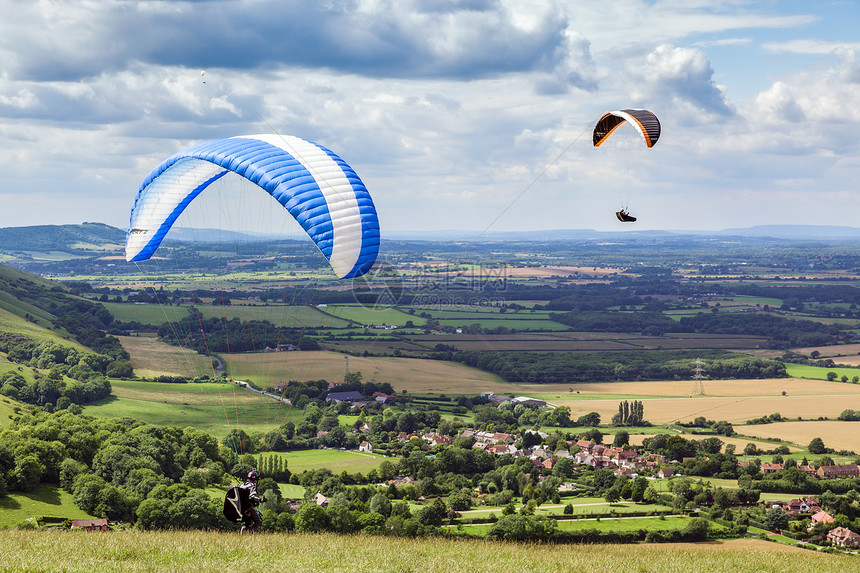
<point>9,503</point>
<point>46,494</point>
<point>104,401</point>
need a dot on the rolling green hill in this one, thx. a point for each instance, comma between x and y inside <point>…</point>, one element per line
<point>45,241</point>
<point>29,307</point>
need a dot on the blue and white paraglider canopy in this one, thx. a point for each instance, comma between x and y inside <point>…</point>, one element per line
<point>318,188</point>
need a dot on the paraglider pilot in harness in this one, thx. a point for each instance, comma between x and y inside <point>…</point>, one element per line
<point>251,520</point>
<point>240,503</point>
<point>624,216</point>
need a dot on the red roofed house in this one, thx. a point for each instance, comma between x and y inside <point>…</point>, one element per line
<point>803,505</point>
<point>808,470</point>
<point>820,517</point>
<point>771,468</point>
<point>626,472</point>
<point>850,470</point>
<point>585,445</point>
<point>90,524</point>
<point>843,537</point>
<point>499,449</point>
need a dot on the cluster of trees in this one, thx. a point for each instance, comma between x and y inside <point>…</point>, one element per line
<point>850,415</point>
<point>566,367</point>
<point>73,377</point>
<point>509,415</point>
<point>120,469</point>
<point>721,427</point>
<point>300,393</point>
<point>630,414</point>
<point>235,335</point>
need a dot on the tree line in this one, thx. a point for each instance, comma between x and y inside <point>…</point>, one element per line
<point>208,335</point>
<point>567,367</point>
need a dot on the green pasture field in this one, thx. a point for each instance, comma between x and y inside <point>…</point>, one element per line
<point>751,300</point>
<point>509,321</point>
<point>26,372</point>
<point>20,308</point>
<point>12,323</point>
<point>6,411</point>
<point>819,372</point>
<point>768,496</point>
<point>279,315</point>
<point>480,312</point>
<point>546,509</point>
<point>595,506</point>
<point>335,460</point>
<point>347,419</point>
<point>733,484</point>
<point>290,491</point>
<point>44,501</point>
<point>603,524</point>
<point>220,552</point>
<point>629,524</point>
<point>763,533</point>
<point>604,508</point>
<point>782,539</point>
<point>150,358</point>
<point>213,408</point>
<point>370,316</point>
<point>824,320</point>
<point>154,314</point>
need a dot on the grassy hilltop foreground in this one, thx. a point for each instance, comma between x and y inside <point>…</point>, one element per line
<point>227,552</point>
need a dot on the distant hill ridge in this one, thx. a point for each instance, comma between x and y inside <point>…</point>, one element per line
<point>66,238</point>
<point>88,239</point>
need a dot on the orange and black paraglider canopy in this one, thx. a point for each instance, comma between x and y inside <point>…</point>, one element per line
<point>645,122</point>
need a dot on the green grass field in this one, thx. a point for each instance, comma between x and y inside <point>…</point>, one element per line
<point>819,372</point>
<point>335,460</point>
<point>217,552</point>
<point>213,408</point>
<point>279,315</point>
<point>594,506</point>
<point>154,314</point>
<point>370,316</point>
<point>509,321</point>
<point>626,524</point>
<point>6,411</point>
<point>151,358</point>
<point>45,501</point>
<point>12,323</point>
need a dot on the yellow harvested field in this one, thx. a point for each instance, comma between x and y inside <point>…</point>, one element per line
<point>408,374</point>
<point>736,410</point>
<point>683,388</point>
<point>150,358</point>
<point>835,434</point>
<point>848,354</point>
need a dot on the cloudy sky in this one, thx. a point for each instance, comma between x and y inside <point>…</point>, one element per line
<point>458,114</point>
